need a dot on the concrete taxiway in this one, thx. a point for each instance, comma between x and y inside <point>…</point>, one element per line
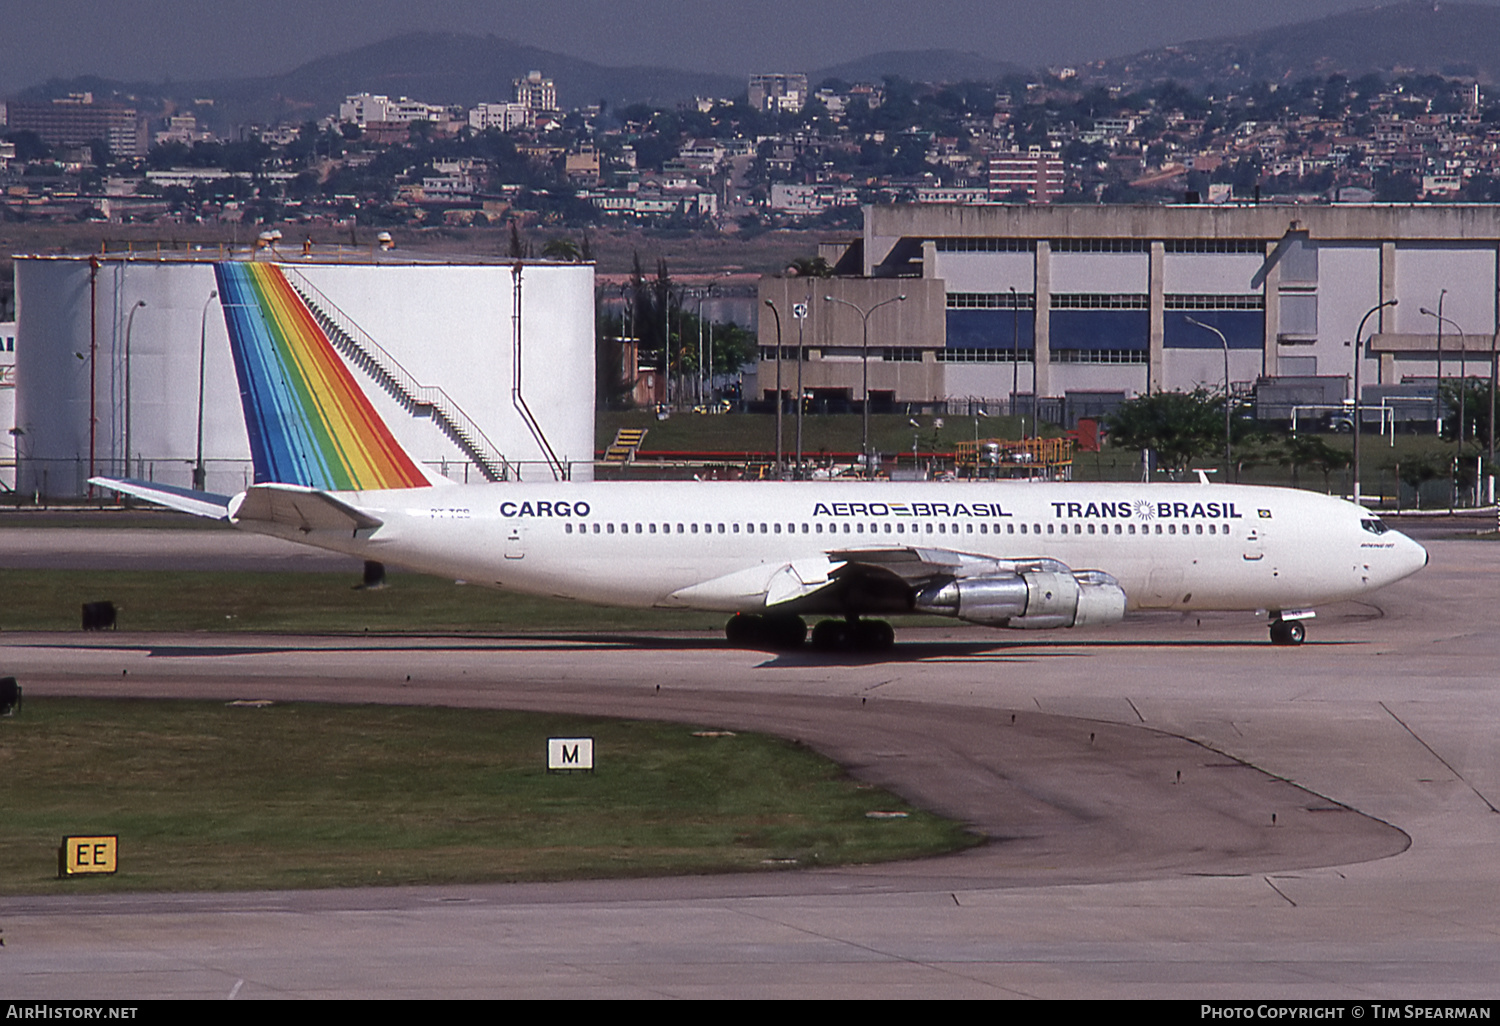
<point>1373,746</point>
<point>133,548</point>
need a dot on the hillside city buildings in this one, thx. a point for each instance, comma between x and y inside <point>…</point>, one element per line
<point>1056,241</point>
<point>79,119</point>
<point>784,153</point>
<point>779,93</point>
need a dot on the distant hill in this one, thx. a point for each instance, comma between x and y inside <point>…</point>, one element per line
<point>429,66</point>
<point>1452,39</point>
<point>439,67</point>
<point>453,68</point>
<point>919,66</point>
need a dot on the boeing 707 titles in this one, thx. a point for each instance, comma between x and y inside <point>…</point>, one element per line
<point>328,473</point>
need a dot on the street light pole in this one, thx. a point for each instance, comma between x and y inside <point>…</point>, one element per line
<point>129,324</point>
<point>864,316</point>
<point>775,313</point>
<point>709,367</point>
<point>1015,348</point>
<point>699,387</point>
<point>1438,389</point>
<point>199,475</point>
<point>666,345</point>
<point>1463,341</point>
<point>1228,459</point>
<point>799,311</point>
<point>1493,367</point>
<point>1359,353</point>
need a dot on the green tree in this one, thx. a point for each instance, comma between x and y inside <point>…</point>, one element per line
<point>1312,451</point>
<point>1415,471</point>
<point>811,267</point>
<point>614,381</point>
<point>1178,426</point>
<point>29,145</point>
<point>731,345</point>
<point>562,249</point>
<point>1475,395</point>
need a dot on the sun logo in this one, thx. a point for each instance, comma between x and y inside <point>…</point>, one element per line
<point>1145,509</point>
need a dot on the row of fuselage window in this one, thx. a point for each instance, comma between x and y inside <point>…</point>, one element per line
<point>889,527</point>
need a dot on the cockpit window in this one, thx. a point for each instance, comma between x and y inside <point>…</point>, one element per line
<point>1374,525</point>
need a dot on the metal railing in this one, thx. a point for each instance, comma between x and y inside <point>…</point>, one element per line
<point>1049,409</point>
<point>418,399</point>
<point>40,480</point>
<point>64,481</point>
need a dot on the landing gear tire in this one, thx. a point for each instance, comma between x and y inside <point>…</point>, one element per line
<point>778,633</point>
<point>741,630</point>
<point>874,636</point>
<point>858,636</point>
<point>784,633</point>
<point>830,636</point>
<point>1287,632</point>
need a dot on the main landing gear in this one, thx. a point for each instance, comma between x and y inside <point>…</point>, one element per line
<point>780,633</point>
<point>1287,632</point>
<point>853,635</point>
<point>785,633</point>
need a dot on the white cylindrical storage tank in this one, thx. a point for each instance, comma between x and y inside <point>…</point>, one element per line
<point>8,435</point>
<point>148,328</point>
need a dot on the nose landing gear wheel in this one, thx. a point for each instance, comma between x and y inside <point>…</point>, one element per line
<point>1287,632</point>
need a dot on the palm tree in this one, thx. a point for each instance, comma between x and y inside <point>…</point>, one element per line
<point>810,267</point>
<point>562,249</point>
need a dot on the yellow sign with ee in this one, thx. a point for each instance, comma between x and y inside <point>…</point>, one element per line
<point>90,855</point>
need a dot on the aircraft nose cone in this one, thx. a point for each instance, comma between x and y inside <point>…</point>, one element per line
<point>1412,557</point>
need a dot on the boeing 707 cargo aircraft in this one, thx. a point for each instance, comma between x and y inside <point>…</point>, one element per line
<point>1022,555</point>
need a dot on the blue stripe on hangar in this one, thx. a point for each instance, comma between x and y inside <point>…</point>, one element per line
<point>1113,330</point>
<point>1243,329</point>
<point>990,329</point>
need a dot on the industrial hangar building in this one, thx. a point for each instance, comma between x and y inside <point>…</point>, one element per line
<point>7,405</point>
<point>123,365</point>
<point>1086,305</point>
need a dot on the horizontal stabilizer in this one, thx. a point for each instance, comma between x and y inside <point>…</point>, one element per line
<point>303,509</point>
<point>185,500</point>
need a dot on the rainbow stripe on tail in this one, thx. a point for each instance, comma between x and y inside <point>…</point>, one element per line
<point>309,422</point>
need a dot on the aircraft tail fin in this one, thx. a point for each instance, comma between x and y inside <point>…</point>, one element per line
<point>309,422</point>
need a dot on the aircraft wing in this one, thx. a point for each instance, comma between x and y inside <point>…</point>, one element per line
<point>889,580</point>
<point>184,500</point>
<point>868,580</point>
<point>921,566</point>
<point>913,564</point>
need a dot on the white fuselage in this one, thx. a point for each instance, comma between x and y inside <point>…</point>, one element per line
<point>1170,546</point>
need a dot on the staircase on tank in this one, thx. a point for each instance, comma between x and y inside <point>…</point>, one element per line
<point>626,444</point>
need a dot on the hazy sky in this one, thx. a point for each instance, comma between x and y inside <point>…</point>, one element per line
<point>184,39</point>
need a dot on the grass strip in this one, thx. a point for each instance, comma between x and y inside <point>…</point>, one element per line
<point>305,603</point>
<point>317,603</point>
<point>209,796</point>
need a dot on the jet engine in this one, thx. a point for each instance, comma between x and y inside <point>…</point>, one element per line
<point>1044,595</point>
